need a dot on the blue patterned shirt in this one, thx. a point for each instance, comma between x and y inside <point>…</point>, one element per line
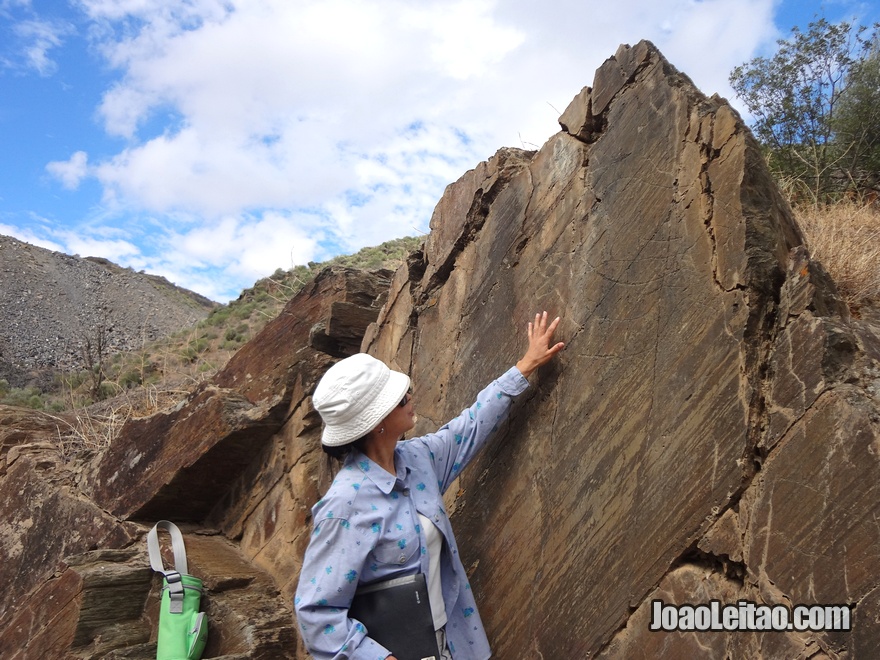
<point>367,529</point>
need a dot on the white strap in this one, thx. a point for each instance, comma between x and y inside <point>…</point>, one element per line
<point>176,545</point>
<point>175,592</point>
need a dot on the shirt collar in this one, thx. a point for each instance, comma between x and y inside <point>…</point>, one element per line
<point>377,474</point>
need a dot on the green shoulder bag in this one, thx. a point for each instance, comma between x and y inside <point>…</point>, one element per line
<point>183,629</point>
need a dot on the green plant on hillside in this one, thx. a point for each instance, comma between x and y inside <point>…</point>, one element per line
<point>23,397</point>
<point>858,122</point>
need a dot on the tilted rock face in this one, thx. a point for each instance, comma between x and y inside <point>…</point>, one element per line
<point>710,415</point>
<point>178,464</point>
<point>712,430</point>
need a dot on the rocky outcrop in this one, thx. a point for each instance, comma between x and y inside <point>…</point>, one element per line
<point>72,549</point>
<point>710,432</point>
<point>52,303</point>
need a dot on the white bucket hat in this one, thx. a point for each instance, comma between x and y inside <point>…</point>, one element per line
<point>355,395</point>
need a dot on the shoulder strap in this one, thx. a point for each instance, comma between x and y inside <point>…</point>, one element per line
<point>176,545</point>
<point>173,576</point>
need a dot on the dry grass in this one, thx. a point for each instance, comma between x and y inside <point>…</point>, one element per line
<point>845,237</point>
<point>93,428</point>
<point>89,432</point>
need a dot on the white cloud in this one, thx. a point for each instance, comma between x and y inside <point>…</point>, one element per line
<point>721,34</point>
<point>244,246</point>
<point>70,172</point>
<point>118,251</point>
<point>261,133</point>
<point>30,236</point>
<point>37,38</point>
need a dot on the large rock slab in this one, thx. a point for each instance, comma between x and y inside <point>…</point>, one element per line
<point>105,604</point>
<point>43,519</point>
<point>699,344</point>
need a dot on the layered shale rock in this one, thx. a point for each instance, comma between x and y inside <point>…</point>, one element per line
<point>711,431</point>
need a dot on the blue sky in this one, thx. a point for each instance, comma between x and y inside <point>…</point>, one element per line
<point>213,141</point>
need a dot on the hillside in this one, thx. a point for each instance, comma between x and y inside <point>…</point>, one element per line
<point>55,306</point>
<point>71,303</point>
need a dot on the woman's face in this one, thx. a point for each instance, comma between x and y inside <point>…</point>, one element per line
<point>402,418</point>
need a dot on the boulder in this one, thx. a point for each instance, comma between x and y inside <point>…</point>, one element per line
<point>45,519</point>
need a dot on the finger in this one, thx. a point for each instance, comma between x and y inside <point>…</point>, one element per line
<point>530,331</point>
<point>538,329</point>
<point>553,326</point>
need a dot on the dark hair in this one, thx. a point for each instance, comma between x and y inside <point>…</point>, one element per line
<point>340,452</point>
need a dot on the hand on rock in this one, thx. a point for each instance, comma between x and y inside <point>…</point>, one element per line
<point>540,351</point>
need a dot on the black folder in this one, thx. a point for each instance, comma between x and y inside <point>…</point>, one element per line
<point>397,614</point>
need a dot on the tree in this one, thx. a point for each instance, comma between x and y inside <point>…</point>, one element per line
<point>93,350</point>
<point>810,101</point>
<point>858,123</point>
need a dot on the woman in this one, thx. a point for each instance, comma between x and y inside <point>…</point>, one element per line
<point>383,516</point>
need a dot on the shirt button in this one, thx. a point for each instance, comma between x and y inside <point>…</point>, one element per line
<point>406,491</point>
<point>402,559</point>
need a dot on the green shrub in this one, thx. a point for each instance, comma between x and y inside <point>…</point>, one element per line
<point>192,350</point>
<point>244,311</point>
<point>130,379</point>
<point>218,316</point>
<point>28,397</point>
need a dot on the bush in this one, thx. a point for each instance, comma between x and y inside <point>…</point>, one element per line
<point>4,387</point>
<point>192,350</point>
<point>130,379</point>
<point>244,311</point>
<point>218,316</point>
<point>29,397</point>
